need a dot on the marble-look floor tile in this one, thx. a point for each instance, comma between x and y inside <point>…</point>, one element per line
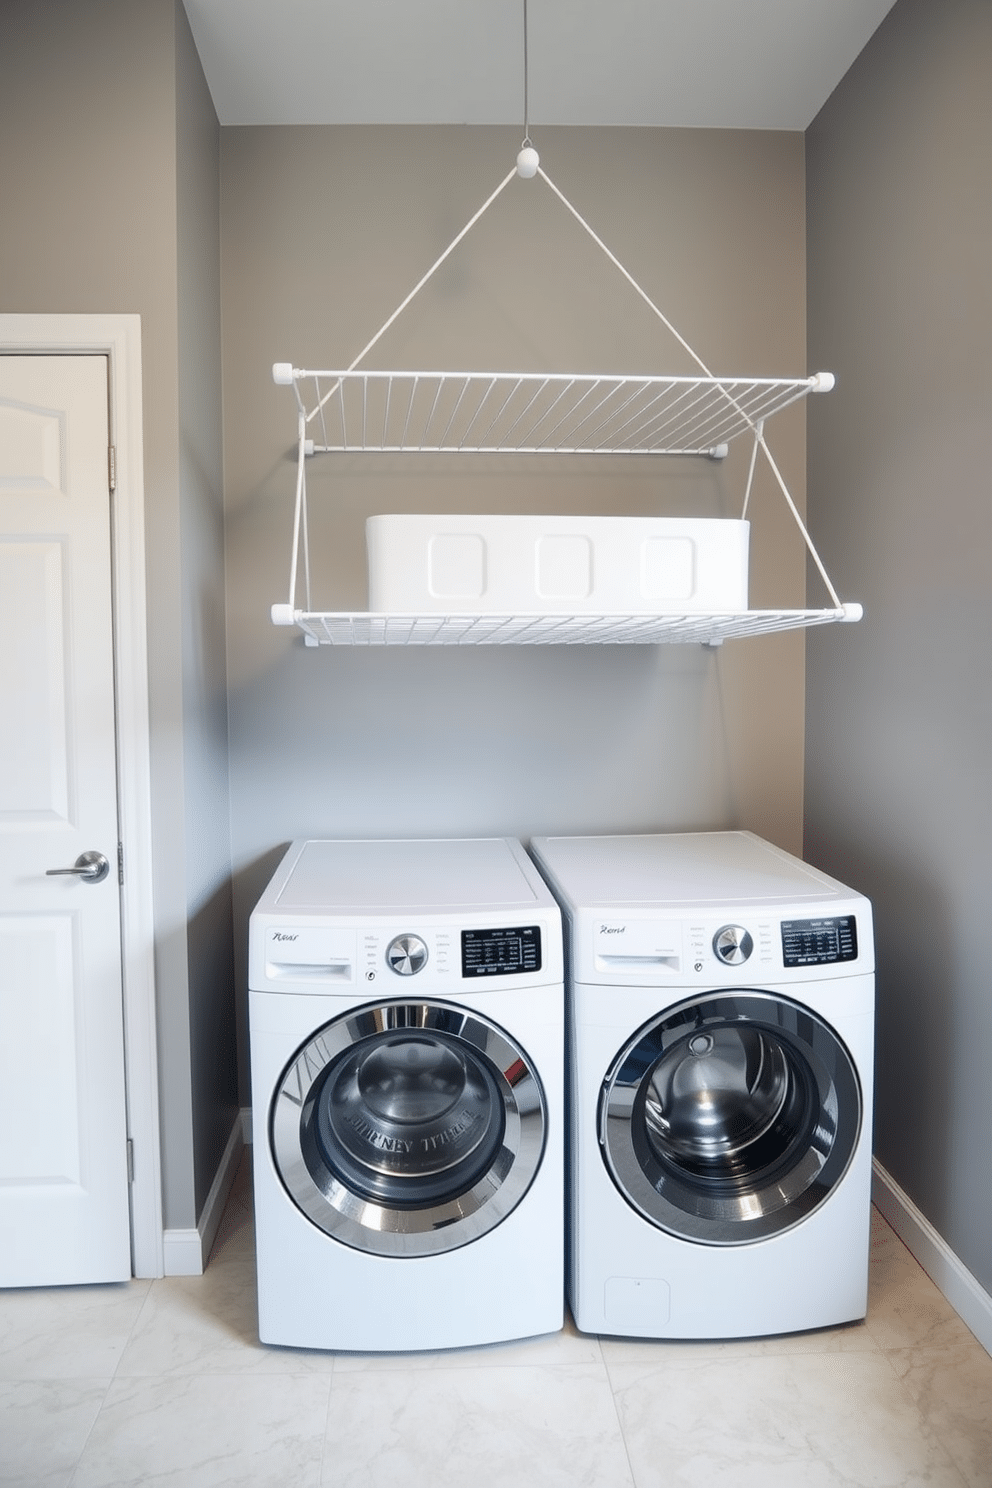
<point>67,1332</point>
<point>209,1324</point>
<point>44,1425</point>
<point>816,1420</point>
<point>208,1431</point>
<point>532,1427</point>
<point>905,1308</point>
<point>569,1346</point>
<point>951,1388</point>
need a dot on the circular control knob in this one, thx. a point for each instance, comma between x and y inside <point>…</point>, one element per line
<point>732,945</point>
<point>407,955</point>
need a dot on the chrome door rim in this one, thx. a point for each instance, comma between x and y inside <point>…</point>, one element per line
<point>408,1229</point>
<point>783,1173</point>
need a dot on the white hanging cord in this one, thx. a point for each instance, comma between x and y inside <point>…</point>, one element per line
<point>526,139</point>
<point>759,440</point>
<point>306,545</point>
<point>629,278</point>
<point>799,522</point>
<point>301,486</point>
<point>528,159</point>
<point>732,401</point>
<point>758,434</point>
<point>416,290</point>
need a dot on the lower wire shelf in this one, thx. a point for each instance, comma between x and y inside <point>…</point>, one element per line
<point>712,628</point>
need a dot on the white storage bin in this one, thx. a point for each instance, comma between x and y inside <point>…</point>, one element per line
<point>442,565</point>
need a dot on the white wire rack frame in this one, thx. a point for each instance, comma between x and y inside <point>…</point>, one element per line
<point>348,410</point>
<point>324,628</point>
<point>535,413</point>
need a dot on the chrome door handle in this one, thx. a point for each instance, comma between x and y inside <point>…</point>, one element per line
<point>91,867</point>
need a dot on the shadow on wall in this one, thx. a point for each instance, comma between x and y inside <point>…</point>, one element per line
<point>198,1051</point>
<point>915,1013</point>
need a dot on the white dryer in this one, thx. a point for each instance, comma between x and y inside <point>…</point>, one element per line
<point>406,1009</point>
<point>721,1047</point>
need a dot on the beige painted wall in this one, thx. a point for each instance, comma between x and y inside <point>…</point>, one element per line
<point>325,230</point>
<point>899,733</point>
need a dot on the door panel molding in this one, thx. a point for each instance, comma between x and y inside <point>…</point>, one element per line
<point>118,337</point>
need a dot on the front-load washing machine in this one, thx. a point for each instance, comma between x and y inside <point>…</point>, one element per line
<point>721,1039</point>
<point>406,1009</point>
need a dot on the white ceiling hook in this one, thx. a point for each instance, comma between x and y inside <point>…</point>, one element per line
<point>528,160</point>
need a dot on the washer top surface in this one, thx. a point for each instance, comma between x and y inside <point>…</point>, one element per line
<point>435,876</point>
<point>691,869</point>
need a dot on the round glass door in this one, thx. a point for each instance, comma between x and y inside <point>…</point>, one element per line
<point>408,1128</point>
<point>730,1117</point>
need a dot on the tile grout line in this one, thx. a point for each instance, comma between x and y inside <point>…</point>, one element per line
<point>73,1471</point>
<point>616,1412</point>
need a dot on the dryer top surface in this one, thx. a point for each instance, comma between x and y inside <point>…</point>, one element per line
<point>681,870</point>
<point>355,877</point>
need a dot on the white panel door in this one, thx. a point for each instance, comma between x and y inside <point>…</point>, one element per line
<point>64,1212</point>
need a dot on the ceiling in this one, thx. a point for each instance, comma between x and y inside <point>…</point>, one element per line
<point>720,64</point>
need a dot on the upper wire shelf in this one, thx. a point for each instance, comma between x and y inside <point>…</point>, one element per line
<point>353,409</point>
<point>534,413</point>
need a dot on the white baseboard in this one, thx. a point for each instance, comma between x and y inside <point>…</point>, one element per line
<point>966,1295</point>
<point>186,1251</point>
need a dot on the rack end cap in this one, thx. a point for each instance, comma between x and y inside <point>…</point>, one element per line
<point>282,374</point>
<point>852,612</point>
<point>283,614</point>
<point>823,382</point>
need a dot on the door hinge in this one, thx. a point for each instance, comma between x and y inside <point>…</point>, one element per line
<point>130,1160</point>
<point>120,862</point>
<point>112,467</point>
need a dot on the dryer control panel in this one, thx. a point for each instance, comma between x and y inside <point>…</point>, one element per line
<point>743,946</point>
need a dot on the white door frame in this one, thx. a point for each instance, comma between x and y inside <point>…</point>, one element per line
<point>118,337</point>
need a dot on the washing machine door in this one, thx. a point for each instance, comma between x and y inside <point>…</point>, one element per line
<point>408,1129</point>
<point>730,1117</point>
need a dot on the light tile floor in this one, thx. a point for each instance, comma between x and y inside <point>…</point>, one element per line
<point>165,1383</point>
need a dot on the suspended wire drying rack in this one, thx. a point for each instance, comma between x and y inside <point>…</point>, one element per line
<point>352,409</point>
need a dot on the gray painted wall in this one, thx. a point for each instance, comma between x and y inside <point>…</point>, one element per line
<point>212,1038</point>
<point>325,231</point>
<point>899,727</point>
<point>110,205</point>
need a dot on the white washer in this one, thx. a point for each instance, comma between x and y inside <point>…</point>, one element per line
<point>406,1009</point>
<point>721,1030</point>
